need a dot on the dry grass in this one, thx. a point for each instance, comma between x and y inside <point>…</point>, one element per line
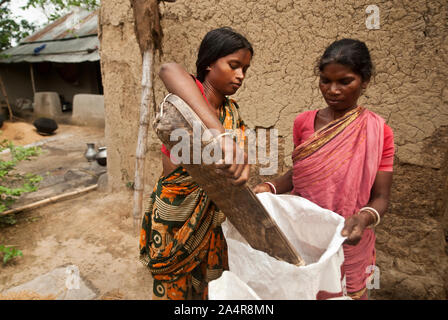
<point>20,133</point>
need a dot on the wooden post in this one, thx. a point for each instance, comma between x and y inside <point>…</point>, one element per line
<point>32,78</point>
<point>149,36</point>
<point>6,97</point>
<point>142,137</point>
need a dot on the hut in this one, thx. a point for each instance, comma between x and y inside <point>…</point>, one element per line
<point>47,70</point>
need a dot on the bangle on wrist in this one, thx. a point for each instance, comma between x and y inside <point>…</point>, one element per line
<point>374,213</point>
<point>272,187</point>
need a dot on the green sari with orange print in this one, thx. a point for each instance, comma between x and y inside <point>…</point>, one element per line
<point>181,240</point>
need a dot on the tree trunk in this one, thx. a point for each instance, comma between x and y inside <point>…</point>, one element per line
<point>147,66</point>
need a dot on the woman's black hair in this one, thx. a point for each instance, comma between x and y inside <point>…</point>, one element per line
<point>351,53</point>
<point>216,44</point>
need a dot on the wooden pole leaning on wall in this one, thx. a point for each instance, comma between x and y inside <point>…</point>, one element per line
<point>32,78</point>
<point>148,32</point>
<point>140,153</point>
<point>2,85</point>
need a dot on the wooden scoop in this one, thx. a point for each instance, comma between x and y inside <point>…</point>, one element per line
<point>238,203</point>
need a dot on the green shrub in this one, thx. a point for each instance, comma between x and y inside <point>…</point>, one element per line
<point>9,253</point>
<point>13,184</point>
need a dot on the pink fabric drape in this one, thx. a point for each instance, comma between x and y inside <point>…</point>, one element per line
<point>339,177</point>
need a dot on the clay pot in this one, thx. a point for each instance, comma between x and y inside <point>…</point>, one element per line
<point>101,156</point>
<point>45,126</point>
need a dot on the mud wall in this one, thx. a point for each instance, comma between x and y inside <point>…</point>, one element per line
<point>409,90</point>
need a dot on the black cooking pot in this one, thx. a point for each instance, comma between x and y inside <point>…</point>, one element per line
<point>2,118</point>
<point>101,156</point>
<point>45,125</point>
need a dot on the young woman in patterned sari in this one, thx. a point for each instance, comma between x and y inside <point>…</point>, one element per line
<point>343,158</point>
<point>181,240</point>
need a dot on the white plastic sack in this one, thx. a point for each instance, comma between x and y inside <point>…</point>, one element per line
<point>312,230</point>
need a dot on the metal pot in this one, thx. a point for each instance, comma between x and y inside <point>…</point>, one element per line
<point>101,156</point>
<point>90,153</point>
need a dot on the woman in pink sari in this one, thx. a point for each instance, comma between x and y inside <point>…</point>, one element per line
<point>343,157</point>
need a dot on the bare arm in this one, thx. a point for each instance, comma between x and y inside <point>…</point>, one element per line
<point>379,200</point>
<point>179,82</point>
<point>282,184</point>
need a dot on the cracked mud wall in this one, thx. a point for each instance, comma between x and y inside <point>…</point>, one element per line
<point>410,91</point>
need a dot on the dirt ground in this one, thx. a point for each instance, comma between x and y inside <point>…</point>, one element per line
<point>92,231</point>
<point>20,133</point>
